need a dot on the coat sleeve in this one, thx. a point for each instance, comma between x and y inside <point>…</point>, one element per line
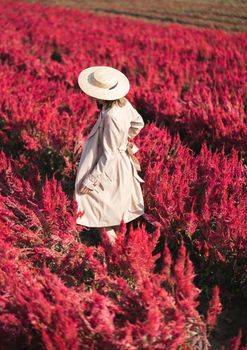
<point>136,124</point>
<point>111,142</point>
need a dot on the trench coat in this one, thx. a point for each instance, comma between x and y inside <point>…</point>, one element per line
<point>110,171</point>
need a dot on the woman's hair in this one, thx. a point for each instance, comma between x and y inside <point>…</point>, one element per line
<point>120,102</point>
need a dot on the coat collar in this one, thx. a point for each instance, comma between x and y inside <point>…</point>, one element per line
<point>96,125</point>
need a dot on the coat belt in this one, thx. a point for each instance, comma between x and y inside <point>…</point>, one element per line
<point>130,153</point>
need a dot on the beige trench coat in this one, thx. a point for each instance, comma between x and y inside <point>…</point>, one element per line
<point>111,172</point>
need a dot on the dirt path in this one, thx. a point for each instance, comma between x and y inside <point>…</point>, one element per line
<point>227,15</point>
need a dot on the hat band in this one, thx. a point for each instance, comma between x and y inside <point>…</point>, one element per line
<point>102,85</point>
<point>113,86</point>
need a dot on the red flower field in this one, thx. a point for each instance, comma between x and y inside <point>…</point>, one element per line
<point>166,281</point>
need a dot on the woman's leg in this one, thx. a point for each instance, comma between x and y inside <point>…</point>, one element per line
<point>110,232</point>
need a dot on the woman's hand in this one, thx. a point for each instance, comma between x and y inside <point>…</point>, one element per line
<point>85,190</point>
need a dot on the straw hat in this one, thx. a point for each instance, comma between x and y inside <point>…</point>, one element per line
<point>103,82</point>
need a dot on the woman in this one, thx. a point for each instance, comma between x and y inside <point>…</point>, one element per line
<point>107,185</point>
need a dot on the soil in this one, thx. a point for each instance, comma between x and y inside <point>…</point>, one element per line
<point>221,14</point>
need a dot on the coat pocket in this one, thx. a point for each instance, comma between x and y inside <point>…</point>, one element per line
<point>106,180</point>
<point>110,172</point>
<point>108,175</point>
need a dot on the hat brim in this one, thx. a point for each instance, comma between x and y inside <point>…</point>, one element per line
<point>88,88</point>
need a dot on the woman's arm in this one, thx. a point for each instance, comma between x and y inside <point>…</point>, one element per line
<point>136,124</point>
<point>111,142</point>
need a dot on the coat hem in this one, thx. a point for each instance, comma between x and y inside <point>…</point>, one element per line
<point>130,218</point>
